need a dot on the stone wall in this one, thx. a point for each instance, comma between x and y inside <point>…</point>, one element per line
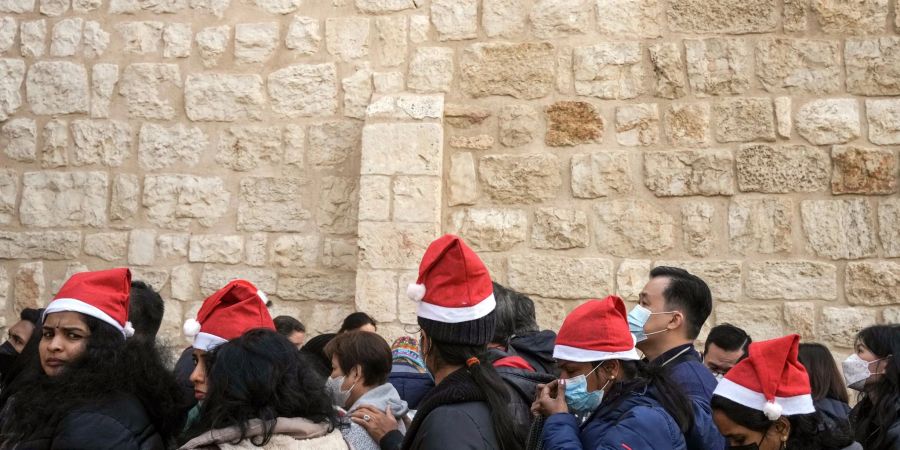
<point>316,147</point>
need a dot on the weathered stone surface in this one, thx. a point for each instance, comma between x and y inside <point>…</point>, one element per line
<point>96,39</point>
<point>126,194</point>
<point>295,250</point>
<point>687,124</point>
<point>304,90</point>
<point>889,226</point>
<point>637,125</point>
<point>763,321</point>
<point>357,93</point>
<point>668,69</point>
<point>556,18</point>
<point>29,286</point>
<point>884,121</point>
<point>142,247</point>
<point>795,17</point>
<point>697,227</point>
<point>272,204</point>
<point>391,41</point>
<point>402,148</point>
<point>346,38</point>
<point>479,142</point>
<point>18,137</point>
<point>104,78</point>
<point>212,43</point>
<point>406,106</point>
<point>863,170</point>
<point>173,201</point>
<point>303,35</point>
<point>8,30</point>
<point>601,174</point>
<point>107,246</point>
<point>57,87</point>
<point>782,169</point>
<point>829,121</point>
<point>630,227</point>
<point>783,120</point>
<point>375,198</point>
<point>388,82</point>
<point>339,253</point>
<point>464,115</point>
<point>631,277</point>
<point>4,287</point>
<point>337,211</point>
<point>745,119</point>
<point>317,286</point>
<point>872,66</point>
<point>723,277</point>
<point>60,199</point>
<point>573,123</point>
<point>172,245</point>
<point>862,17</point>
<point>332,143</point>
<point>140,37</point>
<point>182,283</point>
<point>802,319</point>
<point>799,65</point>
<point>17,6</point>
<point>66,37</point>
<point>760,225</point>
<point>873,283</point>
<point>528,178</point>
<point>377,292</point>
<point>462,180</point>
<point>243,148</point>
<point>689,172</point>
<point>394,246</point>
<point>105,142</point>
<point>384,6</point>
<point>53,245</point>
<point>419,28</point>
<point>214,248</point>
<point>150,89</point>
<point>160,146</point>
<point>431,69</point>
<point>791,280</point>
<point>455,19</point>
<point>722,16</point>
<point>525,71</point>
<point>255,42</point>
<point>841,325</point>
<point>503,18</point>
<point>9,189</point>
<point>12,72</point>
<point>629,17</point>
<point>559,228</point>
<point>214,7</point>
<point>518,124</point>
<point>177,39</point>
<point>417,199</point>
<point>227,98</point>
<point>718,66</point>
<point>213,278</point>
<point>839,229</point>
<point>610,70</point>
<point>32,37</point>
<point>561,277</point>
<point>490,230</point>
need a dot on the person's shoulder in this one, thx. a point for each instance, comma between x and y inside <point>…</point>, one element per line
<point>120,408</point>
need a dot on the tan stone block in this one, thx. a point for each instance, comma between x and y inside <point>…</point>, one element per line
<point>389,82</point>
<point>527,178</point>
<point>9,190</point>
<point>406,106</point>
<point>304,90</point>
<point>723,277</point>
<point>52,245</point>
<point>107,246</point>
<point>782,169</point>
<point>464,115</point>
<point>391,42</point>
<point>783,117</point>
<point>172,201</point>
<point>417,199</point>
<point>862,170</point>
<point>872,65</point>
<point>761,322</point>
<point>795,17</point>
<point>559,228</point>
<point>338,205</point>
<point>161,147</point>
<point>718,66</point>
<point>799,65</point>
<point>802,319</point>
<point>66,36</point>
<point>358,91</point>
<point>177,39</point>
<point>669,70</point>
<point>394,246</point>
<point>572,123</point>
<point>56,144</point>
<point>228,98</point>
<point>172,245</point>
<point>863,17</point>
<point>156,278</point>
<point>9,28</point>
<point>745,120</point>
<point>28,286</point>
<point>104,78</point>
<point>32,37</point>
<point>303,35</point>
<point>490,230</point>
<point>722,16</point>
<point>256,252</point>
<point>637,125</point>
<point>463,188</point>
<point>503,18</point>
<point>760,225</point>
<point>402,148</point>
<point>140,37</point>
<point>630,227</point>
<point>216,248</point>
<point>841,325</point>
<point>142,247</point>
<point>384,6</point>
<point>609,70</point>
<point>561,277</point>
<point>687,124</point>
<point>375,198</point>
<point>524,71</point>
<point>61,199</point>
<point>889,226</point>
<point>601,174</point>
<point>317,286</point>
<point>255,43</point>
<point>333,143</point>
<point>629,17</point>
<point>419,28</point>
<point>377,293</point>
<point>106,142</point>
<point>551,313</point>
<point>347,38</point>
<point>212,43</point>
<point>296,250</point>
<point>18,137</point>
<point>884,121</point>
<point>689,172</point>
<point>455,20</point>
<point>518,125</point>
<point>839,229</point>
<point>431,69</point>
<point>631,277</point>
<point>151,91</point>
<point>791,280</point>
<point>214,278</point>
<point>479,142</point>
<point>339,253</point>
<point>556,18</point>
<point>272,204</point>
<point>829,121</point>
<point>697,226</point>
<point>56,87</point>
<point>126,197</point>
<point>874,283</point>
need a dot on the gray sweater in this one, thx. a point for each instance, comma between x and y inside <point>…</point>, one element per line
<point>380,397</point>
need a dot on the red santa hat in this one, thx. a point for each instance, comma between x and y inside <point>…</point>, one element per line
<point>102,294</point>
<point>227,314</point>
<point>770,379</point>
<point>596,330</point>
<point>455,292</point>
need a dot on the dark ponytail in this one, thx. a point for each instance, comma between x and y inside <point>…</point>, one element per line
<point>640,376</point>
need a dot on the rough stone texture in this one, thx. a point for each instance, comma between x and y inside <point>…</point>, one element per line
<point>697,226</point>
<point>61,199</point>
<point>416,199</point>
<point>791,280</point>
<point>689,172</point>
<point>760,321</point>
<point>32,36</point>
<point>431,70</point>
<point>338,207</point>
<point>601,174</point>
<point>799,65</point>
<point>226,249</point>
<point>18,138</point>
<point>57,87</point>
<point>745,120</point>
<point>631,277</point>
<point>51,245</point>
<point>143,85</point>
<point>162,147</point>
<point>303,90</point>
<point>862,17</point>
<point>8,30</point>
<point>213,278</point>
<point>687,124</point>
<point>105,142</point>
<point>175,201</point>
<point>12,72</point>
<point>525,71</point>
<point>172,245</point>
<point>142,247</point>
<point>669,69</point>
<point>718,66</point>
<point>884,121</point>
<point>559,228</point>
<point>255,42</point>
<point>394,246</point>
<point>140,37</point>
<point>104,78</point>
<point>95,40</point>
<point>872,66</point>
<point>225,98</point>
<point>723,277</point>
<point>245,148</point>
<point>347,38</point>
<point>212,43</point>
<point>303,35</point>
<point>862,170</point>
<point>107,246</point>
<point>873,283</point>
<point>295,250</point>
<point>490,230</point>
<point>455,19</point>
<point>463,181</point>
<point>722,16</point>
<point>802,319</point>
<point>629,227</point>
<point>782,169</point>
<point>760,225</point>
<point>783,119</point>
<point>841,325</point>
<point>560,277</point>
<point>839,229</point>
<point>503,18</point>
<point>518,124</point>
<point>573,123</point>
<point>415,149</point>
<point>520,179</point>
<point>271,204</point>
<point>609,71</point>
<point>66,37</point>
<point>829,121</point>
<point>629,17</point>
<point>317,286</point>
<point>889,226</point>
<point>331,143</point>
<point>556,18</point>
<point>29,286</point>
<point>392,43</point>
<point>637,125</point>
<point>17,6</point>
<point>9,188</point>
<point>177,40</point>
<point>125,198</point>
<point>480,142</point>
<point>358,91</point>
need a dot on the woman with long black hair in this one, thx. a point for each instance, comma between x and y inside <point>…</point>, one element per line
<point>874,371</point>
<point>828,389</point>
<point>606,397</point>
<point>94,389</point>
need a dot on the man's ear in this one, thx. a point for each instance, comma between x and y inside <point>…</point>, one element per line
<point>677,320</point>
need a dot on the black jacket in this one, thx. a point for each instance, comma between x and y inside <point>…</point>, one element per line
<point>521,386</point>
<point>117,423</point>
<point>537,349</point>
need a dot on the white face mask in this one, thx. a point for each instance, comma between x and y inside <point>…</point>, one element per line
<point>637,319</point>
<point>856,371</point>
<point>719,376</point>
<point>339,397</point>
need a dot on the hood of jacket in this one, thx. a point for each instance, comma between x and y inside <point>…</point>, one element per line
<point>297,428</point>
<point>381,397</point>
<point>537,349</point>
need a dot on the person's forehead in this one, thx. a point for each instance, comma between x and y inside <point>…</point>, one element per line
<point>655,287</point>
<point>721,355</point>
<point>67,319</point>
<point>21,327</point>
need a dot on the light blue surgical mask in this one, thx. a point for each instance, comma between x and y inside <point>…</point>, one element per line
<point>637,319</point>
<point>580,401</point>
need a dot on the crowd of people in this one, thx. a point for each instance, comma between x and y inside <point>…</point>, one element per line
<point>476,373</point>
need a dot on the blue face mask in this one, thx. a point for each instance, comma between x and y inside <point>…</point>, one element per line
<point>580,401</point>
<point>637,319</point>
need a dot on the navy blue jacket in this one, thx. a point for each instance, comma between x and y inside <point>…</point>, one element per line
<point>698,384</point>
<point>637,422</point>
<point>410,384</point>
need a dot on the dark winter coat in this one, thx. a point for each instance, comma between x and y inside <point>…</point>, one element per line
<point>893,432</point>
<point>537,349</point>
<point>183,369</point>
<point>521,384</point>
<point>636,422</point>
<point>835,416</point>
<point>411,384</point>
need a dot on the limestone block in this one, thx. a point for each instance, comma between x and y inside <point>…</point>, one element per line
<point>18,138</point>
<point>687,124</point>
<point>402,148</point>
<point>417,199</point>
<point>791,280</point>
<point>406,106</point>
<point>140,37</point>
<point>151,89</point>
<point>465,115</point>
<point>561,277</point>
<point>760,321</point>
<point>8,30</point>
<point>173,201</point>
<point>303,35</point>
<point>863,170</point>
<point>214,7</point>
<point>557,18</point>
<point>272,204</point>
<point>637,125</point>
<point>332,143</point>
<point>783,120</point>
<point>760,225</point>
<point>52,245</point>
<point>347,38</point>
<point>54,8</point>
<point>479,142</point>
<point>392,42</point>
<point>862,17</point>
<point>375,198</point>
<point>56,142</point>
<point>32,37</point>
<point>462,181</point>
<point>56,87</point>
<point>212,43</point>
<point>601,174</point>
<point>490,230</point>
<point>17,6</point>
<point>172,245</point>
<point>357,93</point>
<point>105,142</point>
<point>803,66</point>
<point>697,227</point>
<point>829,121</point>
<point>60,199</point>
<point>802,319</point>
<point>889,226</point>
<point>629,17</point>
<point>745,120</point>
<point>503,18</point>
<point>384,6</point>
<point>214,278</point>
<point>304,90</point>
<point>142,247</point>
<point>530,178</point>
<point>388,82</point>
<point>66,37</point>
<point>718,66</point>
<point>377,292</point>
<point>4,287</point>
<point>177,38</point>
<point>631,277</point>
<point>630,227</point>
<point>795,17</point>
<point>723,277</point>
<point>296,250</point>
<point>228,97</point>
<point>524,70</point>
<point>565,78</point>
<point>125,198</point>
<point>572,123</point>
<point>559,228</point>
<point>455,20</point>
<point>610,70</point>
<point>668,69</point>
<point>339,253</point>
<point>689,172</point>
<point>419,28</point>
<point>29,286</point>
<point>317,286</point>
<point>839,229</point>
<point>9,189</point>
<point>104,78</point>
<point>107,246</point>
<point>12,72</point>
<point>873,283</point>
<point>431,69</point>
<point>95,39</point>
<point>123,6</point>
<point>279,6</point>
<point>722,16</point>
<point>243,148</point>
<point>394,246</point>
<point>294,159</point>
<point>338,205</point>
<point>255,42</point>
<point>161,147</point>
<point>841,325</point>
<point>518,124</point>
<point>215,248</point>
<point>782,169</point>
<point>872,65</point>
<point>884,121</point>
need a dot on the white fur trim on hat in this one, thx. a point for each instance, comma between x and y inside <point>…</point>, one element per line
<point>262,296</point>
<point>415,291</point>
<point>207,342</point>
<point>75,305</point>
<point>129,330</point>
<point>191,328</point>
<point>457,315</point>
<point>581,355</point>
<point>787,406</point>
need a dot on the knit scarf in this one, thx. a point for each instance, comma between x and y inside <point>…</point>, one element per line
<point>458,387</point>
